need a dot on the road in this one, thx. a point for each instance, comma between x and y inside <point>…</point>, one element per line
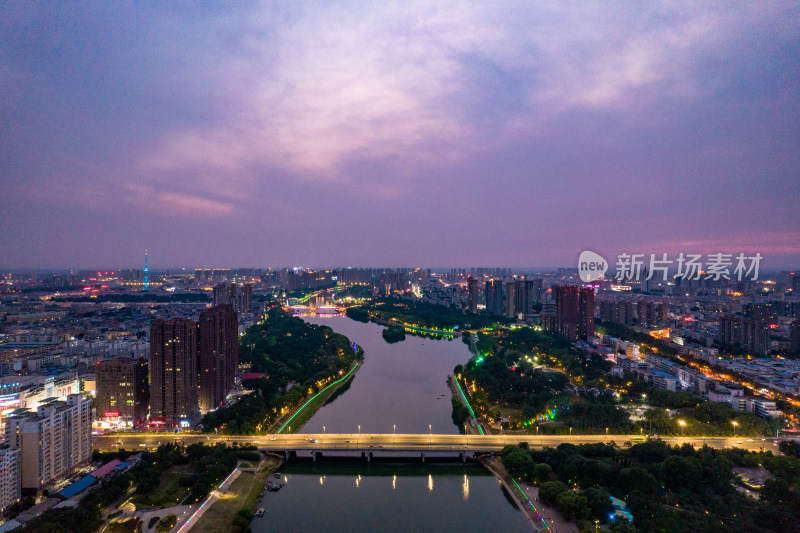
<point>405,442</point>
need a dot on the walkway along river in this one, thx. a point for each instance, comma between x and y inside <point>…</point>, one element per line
<point>400,387</point>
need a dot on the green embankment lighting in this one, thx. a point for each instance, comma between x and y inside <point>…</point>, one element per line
<point>464,396</point>
<point>315,396</point>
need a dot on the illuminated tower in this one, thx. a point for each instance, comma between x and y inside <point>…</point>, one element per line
<point>146,273</point>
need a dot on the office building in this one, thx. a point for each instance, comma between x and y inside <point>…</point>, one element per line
<point>173,372</point>
<point>574,312</point>
<point>53,441</point>
<point>123,390</point>
<point>218,339</point>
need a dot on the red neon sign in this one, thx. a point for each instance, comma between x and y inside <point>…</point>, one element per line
<point>111,413</point>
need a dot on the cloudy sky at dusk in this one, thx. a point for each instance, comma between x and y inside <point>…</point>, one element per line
<point>396,134</point>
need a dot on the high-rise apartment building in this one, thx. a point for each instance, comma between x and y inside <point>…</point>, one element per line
<point>173,371</point>
<point>123,391</point>
<point>574,312</point>
<point>520,296</point>
<point>239,296</point>
<point>472,294</point>
<point>53,441</point>
<point>538,289</point>
<point>509,306</point>
<point>651,313</point>
<point>616,311</point>
<point>794,337</point>
<point>10,477</point>
<point>218,339</point>
<point>493,294</point>
<point>750,335</point>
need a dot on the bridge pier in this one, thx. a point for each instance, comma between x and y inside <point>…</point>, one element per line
<point>315,456</point>
<point>423,456</point>
<point>462,457</point>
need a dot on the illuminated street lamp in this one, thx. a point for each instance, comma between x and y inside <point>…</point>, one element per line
<point>735,423</point>
<point>682,423</point>
<point>359,434</point>
<point>430,434</point>
<point>394,433</point>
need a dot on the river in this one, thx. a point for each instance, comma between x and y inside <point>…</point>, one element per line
<point>403,385</point>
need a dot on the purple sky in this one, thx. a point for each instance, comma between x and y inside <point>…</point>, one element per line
<point>504,134</point>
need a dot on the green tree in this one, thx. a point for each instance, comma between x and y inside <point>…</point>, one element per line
<point>678,472</point>
<point>599,501</point>
<point>550,490</point>
<point>519,463</point>
<point>572,505</point>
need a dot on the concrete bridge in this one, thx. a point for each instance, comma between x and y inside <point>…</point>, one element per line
<point>399,445</point>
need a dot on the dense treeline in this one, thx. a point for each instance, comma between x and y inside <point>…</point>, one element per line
<point>140,298</point>
<point>427,315</point>
<point>394,334</point>
<point>505,371</point>
<point>289,351</point>
<point>666,488</point>
<point>357,313</point>
<point>210,465</point>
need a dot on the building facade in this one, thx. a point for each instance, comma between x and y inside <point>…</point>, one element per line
<point>239,296</point>
<point>53,441</point>
<point>123,390</point>
<point>218,338</point>
<point>493,294</point>
<point>173,372</point>
<point>10,477</point>
<point>574,312</point>
<point>472,294</point>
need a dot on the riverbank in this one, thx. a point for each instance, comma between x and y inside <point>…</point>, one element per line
<point>474,426</point>
<point>239,499</point>
<point>293,421</point>
<point>532,515</point>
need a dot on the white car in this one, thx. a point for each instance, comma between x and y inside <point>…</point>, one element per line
<point>143,445</point>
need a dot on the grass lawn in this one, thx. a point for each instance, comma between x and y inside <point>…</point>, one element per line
<point>242,494</point>
<point>507,412</point>
<point>169,491</point>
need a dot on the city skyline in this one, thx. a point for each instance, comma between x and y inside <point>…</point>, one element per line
<point>395,134</point>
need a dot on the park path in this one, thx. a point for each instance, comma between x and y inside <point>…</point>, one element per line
<point>200,511</point>
<point>182,512</point>
<point>552,523</point>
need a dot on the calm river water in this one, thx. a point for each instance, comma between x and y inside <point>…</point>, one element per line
<point>402,384</point>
